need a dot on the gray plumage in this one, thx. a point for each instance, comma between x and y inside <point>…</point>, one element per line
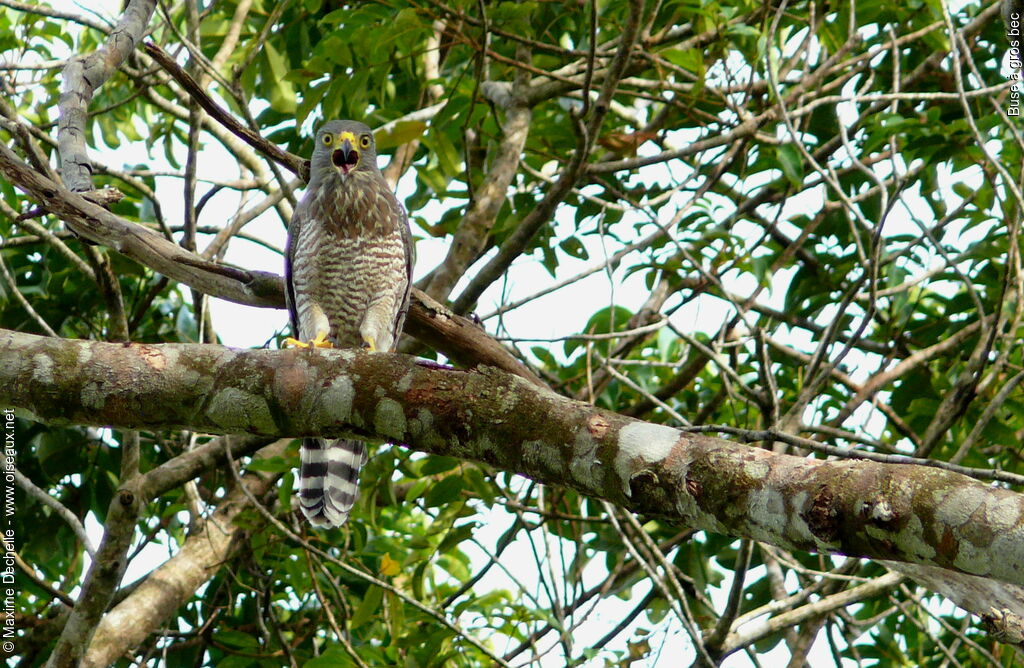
<point>348,272</point>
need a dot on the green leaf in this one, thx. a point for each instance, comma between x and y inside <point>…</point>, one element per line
<point>456,536</point>
<point>272,464</point>
<point>284,490</point>
<point>439,464</point>
<point>236,639</point>
<point>399,133</point>
<point>281,92</point>
<point>791,163</point>
<point>446,491</point>
<point>574,247</point>
<point>417,488</point>
<point>545,357</point>
<point>333,657</point>
<point>688,59</point>
<point>368,608</point>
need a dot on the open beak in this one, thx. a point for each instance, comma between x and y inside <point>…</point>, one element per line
<point>345,157</point>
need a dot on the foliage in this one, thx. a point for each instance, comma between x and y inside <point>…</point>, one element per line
<point>816,198</point>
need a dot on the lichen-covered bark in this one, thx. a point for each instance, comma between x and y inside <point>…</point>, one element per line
<point>902,513</point>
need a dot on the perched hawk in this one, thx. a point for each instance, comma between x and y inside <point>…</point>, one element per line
<point>348,267</point>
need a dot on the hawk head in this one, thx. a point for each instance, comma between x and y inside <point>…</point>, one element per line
<point>343,147</point>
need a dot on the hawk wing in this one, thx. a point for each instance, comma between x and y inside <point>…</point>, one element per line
<point>410,259</point>
<point>294,225</point>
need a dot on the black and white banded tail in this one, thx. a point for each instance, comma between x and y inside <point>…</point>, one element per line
<point>329,479</point>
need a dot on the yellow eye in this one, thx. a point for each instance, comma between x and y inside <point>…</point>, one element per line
<point>364,141</point>
<point>327,139</point>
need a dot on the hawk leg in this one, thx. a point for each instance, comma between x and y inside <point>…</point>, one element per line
<point>376,328</point>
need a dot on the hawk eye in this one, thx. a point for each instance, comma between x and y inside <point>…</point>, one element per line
<point>327,140</point>
<point>364,141</point>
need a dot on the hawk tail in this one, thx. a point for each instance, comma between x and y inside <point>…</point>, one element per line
<point>329,479</point>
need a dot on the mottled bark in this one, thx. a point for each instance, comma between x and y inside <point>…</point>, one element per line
<point>913,514</point>
<point>747,634</point>
<point>463,341</point>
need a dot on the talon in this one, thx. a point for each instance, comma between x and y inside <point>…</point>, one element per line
<point>319,342</point>
<point>370,344</point>
<point>289,342</point>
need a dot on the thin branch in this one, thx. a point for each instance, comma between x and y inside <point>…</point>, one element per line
<point>62,511</point>
<point>20,298</point>
<point>291,162</point>
<point>102,579</point>
<point>39,9</point>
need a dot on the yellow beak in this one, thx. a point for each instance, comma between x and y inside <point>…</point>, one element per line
<point>345,157</point>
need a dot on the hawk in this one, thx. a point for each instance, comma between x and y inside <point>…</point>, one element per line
<point>348,272</point>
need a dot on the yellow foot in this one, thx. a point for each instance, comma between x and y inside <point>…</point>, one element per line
<point>319,342</point>
<point>370,344</point>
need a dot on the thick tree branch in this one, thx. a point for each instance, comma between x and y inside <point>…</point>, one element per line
<point>471,237</point>
<point>751,633</point>
<point>186,466</point>
<point>140,243</point>
<point>534,221</point>
<point>902,513</point>
<point>461,339</point>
